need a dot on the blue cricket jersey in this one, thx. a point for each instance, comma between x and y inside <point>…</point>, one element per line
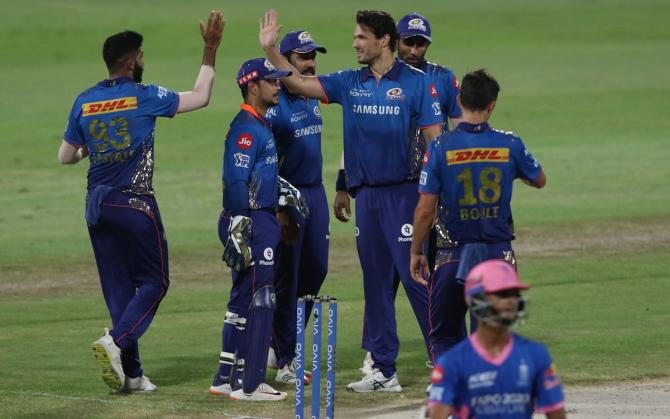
<point>472,169</point>
<point>511,386</point>
<point>380,119</point>
<point>115,119</point>
<point>249,164</point>
<point>443,87</point>
<point>296,126</point>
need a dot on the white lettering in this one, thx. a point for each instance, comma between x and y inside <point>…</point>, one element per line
<point>377,109</point>
<point>312,129</point>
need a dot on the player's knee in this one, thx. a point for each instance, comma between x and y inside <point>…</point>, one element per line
<point>264,299</point>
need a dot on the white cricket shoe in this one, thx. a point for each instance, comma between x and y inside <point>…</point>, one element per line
<point>263,393</point>
<point>367,365</point>
<point>139,385</point>
<point>376,382</point>
<point>286,374</point>
<point>108,357</point>
<point>221,390</point>
<point>272,359</point>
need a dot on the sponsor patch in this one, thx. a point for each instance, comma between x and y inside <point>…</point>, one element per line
<point>241,160</point>
<point>456,85</point>
<point>478,155</point>
<point>426,157</point>
<point>268,253</point>
<point>407,230</point>
<point>437,109</point>
<point>395,94</point>
<point>437,375</point>
<point>248,77</point>
<point>433,91</point>
<point>317,111</point>
<point>245,141</point>
<point>424,178</point>
<point>108,106</point>
<point>162,92</point>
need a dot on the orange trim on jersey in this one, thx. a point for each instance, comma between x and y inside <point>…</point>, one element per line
<point>107,106</point>
<point>478,155</point>
<point>252,111</point>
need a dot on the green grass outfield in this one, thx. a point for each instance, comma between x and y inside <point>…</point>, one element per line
<point>585,83</point>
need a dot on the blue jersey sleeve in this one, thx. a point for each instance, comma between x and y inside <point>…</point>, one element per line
<point>429,181</point>
<point>445,380</point>
<point>546,384</point>
<point>159,101</point>
<point>73,134</point>
<point>527,167</point>
<point>427,109</point>
<point>448,96</point>
<point>334,85</point>
<point>238,161</point>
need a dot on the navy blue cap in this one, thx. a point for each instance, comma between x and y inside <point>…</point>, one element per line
<point>300,42</point>
<point>414,24</point>
<point>257,69</point>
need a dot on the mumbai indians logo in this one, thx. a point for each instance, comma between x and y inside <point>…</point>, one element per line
<point>305,37</point>
<point>395,94</point>
<point>269,65</point>
<point>417,24</point>
<point>317,111</point>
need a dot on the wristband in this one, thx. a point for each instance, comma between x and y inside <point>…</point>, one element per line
<point>341,184</point>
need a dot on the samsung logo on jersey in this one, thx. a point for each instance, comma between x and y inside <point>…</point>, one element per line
<point>271,159</point>
<point>312,129</point>
<point>377,109</point>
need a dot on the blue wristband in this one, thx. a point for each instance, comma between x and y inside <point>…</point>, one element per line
<point>341,184</point>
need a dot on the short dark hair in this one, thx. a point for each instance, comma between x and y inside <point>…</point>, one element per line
<point>478,89</point>
<point>380,23</point>
<point>117,48</point>
<point>244,89</point>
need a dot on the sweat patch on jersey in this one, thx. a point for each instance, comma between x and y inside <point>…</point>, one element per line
<point>478,155</point>
<point>108,106</point>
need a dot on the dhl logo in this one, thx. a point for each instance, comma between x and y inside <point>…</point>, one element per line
<point>478,155</point>
<point>107,106</point>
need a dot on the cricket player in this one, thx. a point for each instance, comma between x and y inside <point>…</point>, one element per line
<point>302,261</point>
<point>250,232</point>
<point>414,34</point>
<point>383,103</point>
<point>495,373</point>
<point>113,123</point>
<point>469,172</point>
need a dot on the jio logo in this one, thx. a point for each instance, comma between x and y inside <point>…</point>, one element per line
<point>407,230</point>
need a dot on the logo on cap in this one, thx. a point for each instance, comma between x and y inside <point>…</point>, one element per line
<point>417,24</point>
<point>269,65</point>
<point>305,37</point>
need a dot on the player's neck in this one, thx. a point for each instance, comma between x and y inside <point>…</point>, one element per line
<point>258,105</point>
<point>113,76</point>
<point>475,118</point>
<point>382,64</point>
<point>493,339</point>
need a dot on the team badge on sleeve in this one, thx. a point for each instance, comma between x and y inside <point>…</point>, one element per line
<point>550,378</point>
<point>437,375</point>
<point>245,141</point>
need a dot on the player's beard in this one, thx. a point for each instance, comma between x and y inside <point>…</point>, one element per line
<point>137,72</point>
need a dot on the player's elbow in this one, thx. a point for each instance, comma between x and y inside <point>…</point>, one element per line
<point>541,181</point>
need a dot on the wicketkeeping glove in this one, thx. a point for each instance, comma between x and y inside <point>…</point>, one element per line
<point>289,196</point>
<point>237,252</point>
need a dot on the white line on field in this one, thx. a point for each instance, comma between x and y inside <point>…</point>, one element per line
<point>121,402</point>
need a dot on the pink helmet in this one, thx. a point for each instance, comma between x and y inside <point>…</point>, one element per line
<point>492,276</point>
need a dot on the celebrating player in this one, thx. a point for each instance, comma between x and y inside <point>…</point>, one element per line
<point>383,103</point>
<point>302,261</point>
<point>470,171</point>
<point>114,122</point>
<point>250,232</point>
<point>495,373</point>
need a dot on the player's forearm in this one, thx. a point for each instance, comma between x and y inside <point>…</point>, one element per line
<point>423,220</point>
<point>296,83</point>
<point>431,132</point>
<point>201,93</point>
<point>69,154</point>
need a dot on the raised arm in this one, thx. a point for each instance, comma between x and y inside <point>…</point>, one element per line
<point>202,91</point>
<point>296,83</point>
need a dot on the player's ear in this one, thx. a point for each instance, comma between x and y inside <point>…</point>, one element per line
<point>491,106</point>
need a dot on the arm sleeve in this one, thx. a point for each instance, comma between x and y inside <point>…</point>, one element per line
<point>238,161</point>
<point>334,85</point>
<point>527,167</point>
<point>448,96</point>
<point>546,384</point>
<point>430,174</point>
<point>427,110</point>
<point>160,101</point>
<point>445,381</point>
<point>73,134</point>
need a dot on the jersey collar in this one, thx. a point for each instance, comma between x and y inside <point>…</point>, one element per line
<point>253,112</point>
<point>476,128</point>
<point>393,73</point>
<point>114,82</point>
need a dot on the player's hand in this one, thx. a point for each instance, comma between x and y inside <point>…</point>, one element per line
<point>289,196</point>
<point>418,268</point>
<point>342,203</point>
<point>84,152</point>
<point>237,252</point>
<point>212,34</point>
<point>269,30</point>
<point>290,229</point>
